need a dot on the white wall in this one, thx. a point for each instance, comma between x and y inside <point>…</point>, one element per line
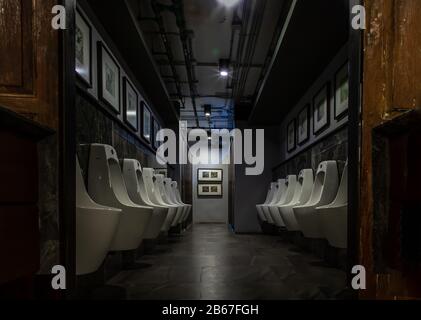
<point>211,210</point>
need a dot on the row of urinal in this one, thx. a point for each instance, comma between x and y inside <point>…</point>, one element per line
<point>122,206</point>
<point>317,207</point>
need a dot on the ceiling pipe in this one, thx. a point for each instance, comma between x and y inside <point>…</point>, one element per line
<point>255,29</point>
<point>177,8</point>
<point>168,51</point>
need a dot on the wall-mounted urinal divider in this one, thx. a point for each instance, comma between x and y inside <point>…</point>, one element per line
<point>95,229</point>
<point>269,197</point>
<point>133,177</point>
<point>334,217</point>
<point>154,195</point>
<point>174,227</point>
<point>286,198</point>
<point>177,197</point>
<point>279,192</point>
<point>324,191</point>
<point>106,186</point>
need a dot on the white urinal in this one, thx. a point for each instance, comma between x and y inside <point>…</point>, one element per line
<point>177,194</point>
<point>334,217</point>
<point>95,228</point>
<point>269,197</point>
<point>171,199</point>
<point>324,191</point>
<point>106,186</point>
<point>159,184</point>
<point>302,194</point>
<point>287,197</point>
<point>154,195</point>
<point>276,198</point>
<point>133,177</point>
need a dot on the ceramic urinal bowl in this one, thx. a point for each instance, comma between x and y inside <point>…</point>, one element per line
<point>324,191</point>
<point>154,195</point>
<point>177,194</point>
<point>171,198</point>
<point>269,197</point>
<point>279,192</point>
<point>334,217</point>
<point>95,229</point>
<point>287,197</point>
<point>133,177</point>
<point>302,194</point>
<point>159,184</point>
<point>106,186</point>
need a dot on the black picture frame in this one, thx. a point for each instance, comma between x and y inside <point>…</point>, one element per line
<point>144,134</point>
<point>87,83</point>
<point>344,69</point>
<point>291,127</point>
<point>126,85</point>
<point>102,48</point>
<point>202,181</point>
<point>304,112</point>
<point>155,132</point>
<point>202,196</point>
<point>325,92</point>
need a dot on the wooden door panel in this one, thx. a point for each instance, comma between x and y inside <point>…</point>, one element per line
<point>16,50</point>
<point>29,61</point>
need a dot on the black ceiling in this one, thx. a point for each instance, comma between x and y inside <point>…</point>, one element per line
<point>119,24</point>
<point>316,32</point>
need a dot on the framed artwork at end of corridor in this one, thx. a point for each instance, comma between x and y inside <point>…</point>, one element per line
<point>209,190</point>
<point>209,175</point>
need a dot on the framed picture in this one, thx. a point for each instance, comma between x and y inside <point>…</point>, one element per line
<point>131,105</point>
<point>321,112</point>
<point>303,130</point>
<point>209,175</point>
<point>209,191</point>
<point>109,78</point>
<point>341,92</point>
<point>291,136</point>
<point>162,171</point>
<point>146,122</point>
<point>83,44</point>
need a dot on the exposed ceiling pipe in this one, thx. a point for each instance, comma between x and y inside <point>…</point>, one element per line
<point>185,37</point>
<point>258,16</point>
<point>168,51</point>
<point>246,8</point>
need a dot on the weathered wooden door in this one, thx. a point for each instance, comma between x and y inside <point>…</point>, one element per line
<point>391,88</point>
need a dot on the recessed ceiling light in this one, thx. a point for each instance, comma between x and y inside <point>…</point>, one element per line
<point>224,73</point>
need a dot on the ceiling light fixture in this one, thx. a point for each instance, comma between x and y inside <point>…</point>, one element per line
<point>208,110</point>
<point>224,67</point>
<point>228,3</point>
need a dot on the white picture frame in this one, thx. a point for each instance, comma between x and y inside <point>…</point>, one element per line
<point>209,175</point>
<point>209,190</point>
<point>131,105</point>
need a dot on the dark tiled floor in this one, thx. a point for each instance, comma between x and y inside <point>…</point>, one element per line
<point>210,262</point>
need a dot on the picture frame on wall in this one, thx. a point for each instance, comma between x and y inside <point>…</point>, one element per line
<point>209,191</point>
<point>108,78</point>
<point>291,136</point>
<point>210,175</point>
<point>131,105</point>
<point>83,49</point>
<point>321,111</point>
<point>146,122</point>
<point>342,92</point>
<point>303,125</point>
